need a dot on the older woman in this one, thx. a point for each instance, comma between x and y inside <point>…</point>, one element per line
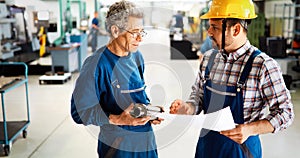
<point>110,81</point>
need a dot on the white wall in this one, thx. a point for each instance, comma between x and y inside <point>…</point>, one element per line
<point>160,14</point>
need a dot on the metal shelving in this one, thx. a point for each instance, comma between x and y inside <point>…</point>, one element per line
<point>12,129</point>
<point>290,18</point>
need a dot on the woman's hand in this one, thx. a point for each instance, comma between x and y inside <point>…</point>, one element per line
<point>157,121</point>
<point>126,119</point>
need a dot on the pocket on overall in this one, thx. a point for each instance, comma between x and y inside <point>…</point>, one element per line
<point>218,97</point>
<point>131,92</point>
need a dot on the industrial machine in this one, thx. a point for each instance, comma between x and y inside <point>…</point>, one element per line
<point>6,45</point>
<point>66,20</point>
<point>16,45</point>
<point>69,50</point>
<point>41,21</point>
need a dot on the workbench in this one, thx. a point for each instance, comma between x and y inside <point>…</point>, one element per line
<point>65,55</point>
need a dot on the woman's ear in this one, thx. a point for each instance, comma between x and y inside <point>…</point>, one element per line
<point>114,31</point>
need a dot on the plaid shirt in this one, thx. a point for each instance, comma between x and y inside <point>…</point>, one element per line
<point>265,94</point>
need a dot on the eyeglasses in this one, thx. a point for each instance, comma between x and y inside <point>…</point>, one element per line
<point>136,34</point>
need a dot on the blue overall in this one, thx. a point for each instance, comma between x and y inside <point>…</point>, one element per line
<point>212,144</point>
<point>108,84</point>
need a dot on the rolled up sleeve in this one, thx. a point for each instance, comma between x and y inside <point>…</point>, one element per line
<point>196,96</point>
<point>276,96</point>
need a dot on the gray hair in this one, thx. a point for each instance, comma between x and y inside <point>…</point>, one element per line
<point>119,12</point>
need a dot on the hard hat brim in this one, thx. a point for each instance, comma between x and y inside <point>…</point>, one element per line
<point>208,15</point>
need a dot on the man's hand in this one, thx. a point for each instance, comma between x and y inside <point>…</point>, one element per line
<point>239,134</point>
<point>158,120</point>
<point>180,107</point>
<point>126,119</point>
<point>95,26</point>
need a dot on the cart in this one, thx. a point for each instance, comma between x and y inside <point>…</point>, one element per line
<point>13,75</point>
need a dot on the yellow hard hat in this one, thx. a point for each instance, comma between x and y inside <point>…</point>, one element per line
<point>239,9</point>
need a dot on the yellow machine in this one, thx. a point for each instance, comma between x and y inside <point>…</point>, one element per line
<point>42,38</point>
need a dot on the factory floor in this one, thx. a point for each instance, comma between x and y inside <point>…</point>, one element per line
<point>52,132</point>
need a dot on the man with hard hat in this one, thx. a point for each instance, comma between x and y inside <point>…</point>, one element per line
<point>237,75</point>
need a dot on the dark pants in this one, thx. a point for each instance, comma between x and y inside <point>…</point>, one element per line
<point>94,39</point>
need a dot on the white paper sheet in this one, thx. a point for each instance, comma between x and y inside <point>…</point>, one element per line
<point>217,121</point>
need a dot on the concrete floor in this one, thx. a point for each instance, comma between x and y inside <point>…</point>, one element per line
<point>52,133</point>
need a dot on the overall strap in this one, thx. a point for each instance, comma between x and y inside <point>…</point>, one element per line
<point>241,83</point>
<point>210,63</point>
<point>247,68</point>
